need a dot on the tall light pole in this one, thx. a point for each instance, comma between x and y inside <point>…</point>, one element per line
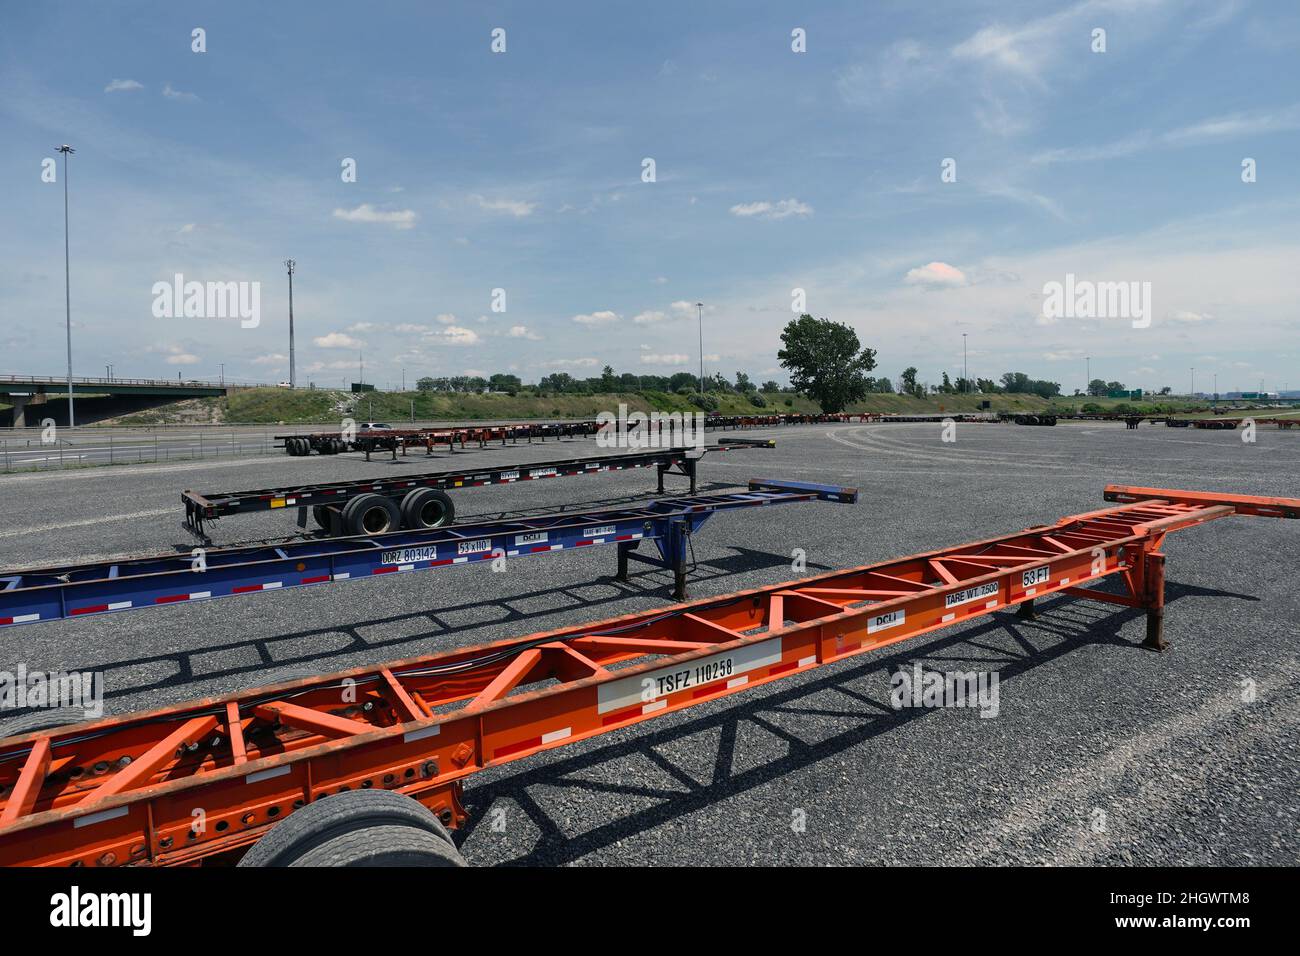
<point>1192,393</point>
<point>293,378</point>
<point>65,149</point>
<point>965,379</point>
<point>699,312</point>
<point>1087,375</point>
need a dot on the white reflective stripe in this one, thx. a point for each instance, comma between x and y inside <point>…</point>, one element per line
<point>90,821</point>
<point>24,618</point>
<point>805,661</point>
<point>459,560</point>
<point>1064,581</point>
<point>342,575</point>
<point>557,547</point>
<point>261,775</point>
<point>1029,591</point>
<point>947,617</point>
<point>991,604</point>
<point>597,540</point>
<point>511,554</point>
<point>119,605</point>
<point>656,705</point>
<point>272,584</point>
<point>200,594</point>
<point>738,681</point>
<point>413,735</point>
<point>555,735</point>
<point>406,567</point>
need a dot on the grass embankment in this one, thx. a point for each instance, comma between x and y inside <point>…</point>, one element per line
<point>304,406</point>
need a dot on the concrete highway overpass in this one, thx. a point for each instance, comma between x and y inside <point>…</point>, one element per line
<point>38,397</point>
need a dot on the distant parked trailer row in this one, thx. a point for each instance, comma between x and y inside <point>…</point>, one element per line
<point>376,505</point>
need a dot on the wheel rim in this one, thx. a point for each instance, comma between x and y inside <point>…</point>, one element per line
<point>375,521</point>
<point>432,513</point>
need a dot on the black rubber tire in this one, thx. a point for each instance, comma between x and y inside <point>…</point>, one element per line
<point>340,446</point>
<point>372,510</point>
<point>343,813</point>
<point>42,720</point>
<point>383,846</point>
<point>291,446</point>
<point>321,515</point>
<point>427,508</point>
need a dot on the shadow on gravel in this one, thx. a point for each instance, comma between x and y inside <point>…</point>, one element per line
<point>1013,646</point>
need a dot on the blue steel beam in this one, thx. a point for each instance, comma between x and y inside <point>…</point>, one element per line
<point>52,593</point>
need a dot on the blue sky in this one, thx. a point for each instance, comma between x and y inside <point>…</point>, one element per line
<point>775,171</point>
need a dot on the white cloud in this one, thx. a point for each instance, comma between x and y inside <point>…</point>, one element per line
<point>522,332</point>
<point>182,358</point>
<point>936,274</point>
<point>362,327</point>
<point>596,318</point>
<point>649,318</point>
<point>518,208</point>
<point>411,328</point>
<point>457,335</point>
<point>446,318</point>
<point>656,359</point>
<point>397,218</point>
<point>338,340</point>
<point>1184,317</point>
<point>571,363</point>
<point>175,94</point>
<point>273,359</point>
<point>123,86</point>
<point>769,210</point>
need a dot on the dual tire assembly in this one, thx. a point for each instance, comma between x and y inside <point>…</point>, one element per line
<point>377,514</point>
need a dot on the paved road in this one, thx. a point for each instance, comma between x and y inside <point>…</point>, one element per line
<point>1101,752</point>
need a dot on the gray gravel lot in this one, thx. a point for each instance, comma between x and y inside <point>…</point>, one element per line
<point>1101,752</point>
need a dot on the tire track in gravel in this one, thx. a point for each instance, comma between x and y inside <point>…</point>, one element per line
<point>1058,816</point>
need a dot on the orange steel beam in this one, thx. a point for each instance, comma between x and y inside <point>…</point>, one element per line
<point>126,789</point>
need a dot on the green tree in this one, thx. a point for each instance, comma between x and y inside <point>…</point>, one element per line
<point>771,387</point>
<point>1097,387</point>
<point>826,361</point>
<point>908,385</point>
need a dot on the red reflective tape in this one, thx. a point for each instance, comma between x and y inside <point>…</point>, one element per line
<point>623,537</point>
<point>706,691</point>
<point>509,749</point>
<point>620,716</point>
<point>245,588</point>
<point>782,668</point>
<point>169,598</point>
<point>383,570</point>
<point>89,610</point>
<point>540,547</point>
<point>435,564</point>
<point>581,543</point>
<point>316,580</point>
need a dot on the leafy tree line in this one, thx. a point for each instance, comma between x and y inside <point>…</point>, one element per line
<point>562,383</point>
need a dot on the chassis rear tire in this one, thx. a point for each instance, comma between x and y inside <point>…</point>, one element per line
<point>344,813</point>
<point>371,514</point>
<point>427,508</point>
<point>383,846</point>
<point>48,719</point>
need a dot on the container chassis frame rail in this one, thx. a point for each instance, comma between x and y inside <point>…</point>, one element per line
<point>204,507</point>
<point>33,595</point>
<point>202,781</point>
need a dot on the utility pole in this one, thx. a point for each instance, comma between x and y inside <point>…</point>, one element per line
<point>1192,393</point>
<point>293,378</point>
<point>1087,375</point>
<point>361,367</point>
<point>699,312</point>
<point>223,373</point>
<point>965,380</point>
<point>66,150</point>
